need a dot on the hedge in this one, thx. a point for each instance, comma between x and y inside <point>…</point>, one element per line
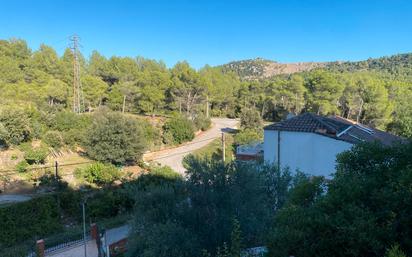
<point>29,220</point>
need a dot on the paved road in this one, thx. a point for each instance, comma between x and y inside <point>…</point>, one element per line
<point>13,198</point>
<point>174,157</point>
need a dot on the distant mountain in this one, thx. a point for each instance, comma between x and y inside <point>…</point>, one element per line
<point>259,68</point>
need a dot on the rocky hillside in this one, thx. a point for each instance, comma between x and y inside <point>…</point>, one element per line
<point>260,68</point>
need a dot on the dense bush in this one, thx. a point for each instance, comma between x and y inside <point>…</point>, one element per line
<point>152,135</point>
<point>34,155</point>
<point>72,127</point>
<point>41,217</point>
<point>178,130</point>
<point>74,137</point>
<point>395,251</point>
<point>22,166</point>
<point>201,210</point>
<point>115,138</point>
<point>363,211</point>
<point>201,122</point>
<point>28,220</point>
<point>66,120</point>
<point>109,204</point>
<point>99,173</point>
<point>14,126</point>
<point>251,119</point>
<point>156,176</point>
<point>3,135</point>
<point>53,139</point>
<point>247,136</point>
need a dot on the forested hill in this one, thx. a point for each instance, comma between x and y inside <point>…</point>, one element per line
<point>254,69</point>
<point>375,92</point>
<point>400,64</point>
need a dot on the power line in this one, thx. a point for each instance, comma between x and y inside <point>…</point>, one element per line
<point>15,171</point>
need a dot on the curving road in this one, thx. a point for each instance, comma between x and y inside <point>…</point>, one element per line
<point>174,157</point>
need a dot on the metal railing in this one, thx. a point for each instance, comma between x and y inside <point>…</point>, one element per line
<point>65,246</point>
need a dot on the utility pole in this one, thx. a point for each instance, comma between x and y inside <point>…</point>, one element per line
<point>84,228</point>
<point>56,169</point>
<point>223,147</point>
<point>77,86</point>
<point>124,103</point>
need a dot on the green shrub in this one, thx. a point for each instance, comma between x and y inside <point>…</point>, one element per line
<point>202,122</point>
<point>53,139</point>
<point>247,136</point>
<point>37,129</point>
<point>73,137</point>
<point>178,130</point>
<point>14,126</point>
<point>250,119</point>
<point>115,138</point>
<point>35,155</point>
<point>395,251</point>
<point>70,203</point>
<point>99,173</point>
<point>64,121</point>
<point>27,220</point>
<point>152,135</point>
<point>4,134</point>
<point>109,203</point>
<point>22,166</point>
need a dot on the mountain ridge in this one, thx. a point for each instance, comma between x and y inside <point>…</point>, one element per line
<point>260,68</point>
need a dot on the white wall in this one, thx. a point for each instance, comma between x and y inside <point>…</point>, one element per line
<point>309,152</point>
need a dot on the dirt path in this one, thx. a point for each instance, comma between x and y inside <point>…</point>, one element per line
<point>174,157</point>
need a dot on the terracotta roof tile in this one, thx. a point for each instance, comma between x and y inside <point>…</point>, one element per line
<point>335,127</point>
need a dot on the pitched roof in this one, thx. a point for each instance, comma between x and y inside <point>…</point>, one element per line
<point>335,127</point>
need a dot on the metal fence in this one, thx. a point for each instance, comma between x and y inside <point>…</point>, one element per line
<point>23,250</point>
<point>65,245</point>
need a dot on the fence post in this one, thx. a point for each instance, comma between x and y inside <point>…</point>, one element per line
<point>40,248</point>
<point>93,231</point>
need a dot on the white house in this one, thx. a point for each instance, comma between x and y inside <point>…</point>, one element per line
<point>310,143</point>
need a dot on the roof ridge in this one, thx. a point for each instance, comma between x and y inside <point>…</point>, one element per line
<point>319,119</point>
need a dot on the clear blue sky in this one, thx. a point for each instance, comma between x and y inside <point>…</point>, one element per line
<point>216,32</point>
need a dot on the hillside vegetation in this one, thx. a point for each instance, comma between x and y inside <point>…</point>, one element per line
<point>36,92</point>
<point>255,69</point>
<point>259,68</point>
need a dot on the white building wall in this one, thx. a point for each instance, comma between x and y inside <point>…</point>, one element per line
<point>308,152</point>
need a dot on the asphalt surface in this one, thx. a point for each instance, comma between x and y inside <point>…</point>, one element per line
<point>4,199</point>
<point>174,157</point>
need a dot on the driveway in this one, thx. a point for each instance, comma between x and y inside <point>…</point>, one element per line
<point>174,157</point>
<point>77,251</point>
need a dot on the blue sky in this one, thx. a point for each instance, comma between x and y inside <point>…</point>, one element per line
<point>216,32</point>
